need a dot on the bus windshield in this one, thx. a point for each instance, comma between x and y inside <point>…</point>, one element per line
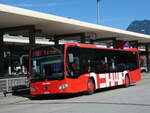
<point>47,63</point>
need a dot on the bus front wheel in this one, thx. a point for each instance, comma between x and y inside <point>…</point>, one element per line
<point>90,87</point>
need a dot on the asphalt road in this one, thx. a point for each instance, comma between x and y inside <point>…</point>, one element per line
<point>134,99</point>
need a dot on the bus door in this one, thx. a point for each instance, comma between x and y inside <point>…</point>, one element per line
<point>73,73</point>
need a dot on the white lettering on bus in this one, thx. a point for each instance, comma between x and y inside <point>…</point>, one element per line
<point>111,79</point>
<point>102,76</point>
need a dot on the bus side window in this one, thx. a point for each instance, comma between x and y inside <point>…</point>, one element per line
<point>111,65</point>
<point>75,66</point>
<point>73,62</point>
<point>84,66</point>
<point>71,67</point>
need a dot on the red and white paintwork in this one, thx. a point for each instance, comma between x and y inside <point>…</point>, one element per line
<point>80,84</point>
<point>108,79</point>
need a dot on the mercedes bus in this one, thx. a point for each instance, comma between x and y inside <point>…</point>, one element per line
<point>74,67</point>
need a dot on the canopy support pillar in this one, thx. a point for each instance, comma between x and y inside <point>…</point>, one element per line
<point>147,57</point>
<point>114,42</point>
<point>134,43</point>
<point>1,54</point>
<point>1,39</point>
<point>56,41</point>
<point>83,39</point>
<point>32,37</point>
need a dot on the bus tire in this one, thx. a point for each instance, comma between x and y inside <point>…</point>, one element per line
<point>127,81</point>
<point>90,86</point>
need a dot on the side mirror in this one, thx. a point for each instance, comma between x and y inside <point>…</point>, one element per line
<point>71,58</point>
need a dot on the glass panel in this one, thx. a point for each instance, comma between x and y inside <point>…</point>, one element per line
<point>86,60</point>
<point>47,63</point>
<point>73,62</point>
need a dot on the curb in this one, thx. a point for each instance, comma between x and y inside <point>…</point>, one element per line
<point>13,101</point>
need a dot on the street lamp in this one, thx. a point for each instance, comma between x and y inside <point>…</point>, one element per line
<point>98,12</point>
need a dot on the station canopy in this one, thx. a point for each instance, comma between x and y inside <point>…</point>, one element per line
<point>54,25</point>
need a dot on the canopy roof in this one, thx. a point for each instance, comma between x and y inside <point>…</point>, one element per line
<point>55,25</point>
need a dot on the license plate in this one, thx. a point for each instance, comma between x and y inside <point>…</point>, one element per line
<point>46,92</point>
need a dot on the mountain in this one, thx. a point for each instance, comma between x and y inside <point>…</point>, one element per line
<point>140,27</point>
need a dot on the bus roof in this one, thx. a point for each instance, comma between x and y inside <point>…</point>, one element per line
<point>55,25</point>
<point>99,47</point>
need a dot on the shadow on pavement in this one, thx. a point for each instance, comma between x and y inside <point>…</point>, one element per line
<point>26,93</point>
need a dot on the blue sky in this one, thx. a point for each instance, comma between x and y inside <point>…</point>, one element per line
<point>113,13</point>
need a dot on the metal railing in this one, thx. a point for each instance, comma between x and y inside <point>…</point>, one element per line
<point>7,84</point>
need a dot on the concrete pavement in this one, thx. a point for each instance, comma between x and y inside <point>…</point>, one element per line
<point>14,99</point>
<point>10,99</point>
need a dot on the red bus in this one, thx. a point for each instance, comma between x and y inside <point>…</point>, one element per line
<point>73,68</point>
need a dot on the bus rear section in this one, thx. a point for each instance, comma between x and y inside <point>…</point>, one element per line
<point>105,67</point>
<point>73,68</point>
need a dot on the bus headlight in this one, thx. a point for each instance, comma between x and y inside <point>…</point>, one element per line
<point>63,86</point>
<point>32,89</point>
